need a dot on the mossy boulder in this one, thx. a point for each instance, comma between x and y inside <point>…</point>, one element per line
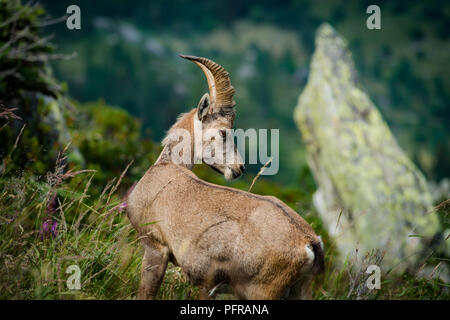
<point>370,195</point>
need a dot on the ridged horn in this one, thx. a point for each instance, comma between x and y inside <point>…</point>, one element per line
<point>220,89</point>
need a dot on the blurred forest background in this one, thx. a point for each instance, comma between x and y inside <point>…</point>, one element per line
<point>127,55</point>
<point>114,87</point>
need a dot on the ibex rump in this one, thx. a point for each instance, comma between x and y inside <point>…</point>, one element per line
<point>258,245</point>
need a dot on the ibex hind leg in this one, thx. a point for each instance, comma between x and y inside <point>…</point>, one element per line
<point>302,289</point>
<point>259,292</point>
<point>154,265</point>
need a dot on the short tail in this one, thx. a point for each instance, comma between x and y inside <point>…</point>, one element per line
<point>319,260</point>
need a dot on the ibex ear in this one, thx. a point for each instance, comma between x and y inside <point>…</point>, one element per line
<point>203,107</point>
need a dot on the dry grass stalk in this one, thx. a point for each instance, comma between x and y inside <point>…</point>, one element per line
<point>259,173</point>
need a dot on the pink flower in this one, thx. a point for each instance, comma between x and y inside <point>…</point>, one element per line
<point>49,228</point>
<point>123,206</point>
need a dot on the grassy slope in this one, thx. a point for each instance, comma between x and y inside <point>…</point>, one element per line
<point>95,235</point>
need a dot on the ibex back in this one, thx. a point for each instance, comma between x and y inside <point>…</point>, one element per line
<point>256,244</point>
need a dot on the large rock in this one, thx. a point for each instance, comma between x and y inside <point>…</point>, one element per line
<point>370,195</point>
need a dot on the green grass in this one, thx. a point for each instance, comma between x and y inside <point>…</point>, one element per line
<point>95,234</point>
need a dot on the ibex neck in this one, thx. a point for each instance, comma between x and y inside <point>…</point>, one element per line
<point>179,143</point>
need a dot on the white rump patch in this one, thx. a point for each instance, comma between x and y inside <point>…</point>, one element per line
<point>309,253</point>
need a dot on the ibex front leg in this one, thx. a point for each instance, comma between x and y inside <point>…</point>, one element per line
<point>154,265</point>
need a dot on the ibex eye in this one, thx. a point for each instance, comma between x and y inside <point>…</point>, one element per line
<point>223,133</point>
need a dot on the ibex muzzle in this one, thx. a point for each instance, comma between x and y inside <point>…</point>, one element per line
<point>256,244</point>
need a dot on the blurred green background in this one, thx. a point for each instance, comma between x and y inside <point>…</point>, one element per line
<point>127,55</point>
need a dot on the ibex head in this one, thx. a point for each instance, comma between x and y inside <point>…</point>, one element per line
<point>213,121</point>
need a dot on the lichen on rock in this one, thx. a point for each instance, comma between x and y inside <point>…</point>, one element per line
<point>370,195</point>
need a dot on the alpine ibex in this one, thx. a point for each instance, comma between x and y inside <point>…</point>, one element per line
<point>256,244</point>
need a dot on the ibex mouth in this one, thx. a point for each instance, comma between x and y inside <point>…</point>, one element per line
<point>238,173</point>
<point>231,173</point>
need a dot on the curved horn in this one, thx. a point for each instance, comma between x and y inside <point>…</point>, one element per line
<point>220,89</point>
